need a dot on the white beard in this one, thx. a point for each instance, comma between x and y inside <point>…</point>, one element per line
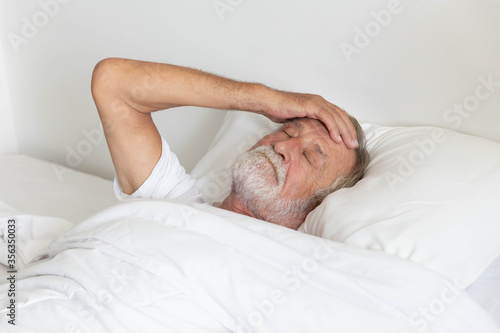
<point>258,178</point>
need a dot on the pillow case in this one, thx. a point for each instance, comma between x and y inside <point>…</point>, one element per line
<point>429,195</point>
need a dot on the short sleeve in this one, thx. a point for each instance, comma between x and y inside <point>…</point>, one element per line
<point>167,180</point>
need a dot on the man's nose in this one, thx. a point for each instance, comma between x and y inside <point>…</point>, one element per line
<point>287,148</point>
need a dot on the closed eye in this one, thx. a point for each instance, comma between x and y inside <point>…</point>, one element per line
<point>307,158</point>
<point>287,133</point>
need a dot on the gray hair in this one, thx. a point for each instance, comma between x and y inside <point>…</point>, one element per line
<point>362,161</point>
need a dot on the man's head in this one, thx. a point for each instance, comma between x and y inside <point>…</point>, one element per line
<point>290,171</point>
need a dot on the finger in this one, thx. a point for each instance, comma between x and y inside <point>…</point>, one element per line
<point>331,124</point>
<point>345,127</point>
<point>344,130</point>
<point>352,130</point>
<point>340,126</point>
<point>350,139</point>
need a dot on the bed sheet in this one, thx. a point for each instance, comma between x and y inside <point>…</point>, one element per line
<point>57,198</point>
<point>486,289</point>
<point>187,267</point>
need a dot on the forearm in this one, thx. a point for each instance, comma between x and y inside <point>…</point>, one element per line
<point>127,91</point>
<point>149,87</point>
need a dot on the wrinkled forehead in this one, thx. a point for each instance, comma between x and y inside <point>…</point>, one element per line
<point>309,125</point>
<point>321,140</point>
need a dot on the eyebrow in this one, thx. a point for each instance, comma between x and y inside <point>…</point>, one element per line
<point>293,121</point>
<point>296,123</point>
<point>317,147</point>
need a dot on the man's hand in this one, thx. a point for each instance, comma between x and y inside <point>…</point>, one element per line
<point>286,105</point>
<point>133,139</point>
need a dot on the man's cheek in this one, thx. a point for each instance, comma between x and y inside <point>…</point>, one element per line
<point>262,142</point>
<point>297,186</point>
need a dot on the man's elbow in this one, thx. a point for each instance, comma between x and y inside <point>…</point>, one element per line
<point>106,86</point>
<point>103,77</point>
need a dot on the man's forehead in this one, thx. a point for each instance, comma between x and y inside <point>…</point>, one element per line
<point>302,123</point>
<point>324,142</point>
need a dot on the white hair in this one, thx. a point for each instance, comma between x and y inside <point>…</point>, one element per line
<point>258,177</point>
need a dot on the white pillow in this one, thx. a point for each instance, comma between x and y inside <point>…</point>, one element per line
<point>429,195</point>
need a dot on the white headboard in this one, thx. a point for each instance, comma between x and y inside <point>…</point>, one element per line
<point>385,61</point>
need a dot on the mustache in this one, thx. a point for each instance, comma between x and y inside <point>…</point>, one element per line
<point>268,153</point>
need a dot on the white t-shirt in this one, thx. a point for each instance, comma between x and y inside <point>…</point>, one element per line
<point>167,180</point>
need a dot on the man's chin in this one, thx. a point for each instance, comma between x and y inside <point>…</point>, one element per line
<point>290,214</point>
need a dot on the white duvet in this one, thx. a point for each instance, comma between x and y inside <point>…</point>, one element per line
<point>164,266</point>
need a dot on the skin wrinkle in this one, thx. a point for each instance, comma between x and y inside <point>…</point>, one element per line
<point>296,123</point>
<point>301,177</point>
<point>279,172</point>
<point>254,193</point>
<point>317,147</point>
<point>127,91</point>
<point>272,164</point>
<point>314,132</point>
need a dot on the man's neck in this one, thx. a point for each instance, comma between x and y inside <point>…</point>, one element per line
<point>232,204</point>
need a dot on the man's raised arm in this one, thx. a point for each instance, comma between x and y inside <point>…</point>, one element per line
<point>127,91</point>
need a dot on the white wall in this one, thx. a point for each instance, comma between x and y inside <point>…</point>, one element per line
<point>49,70</point>
<point>420,65</point>
<point>8,138</point>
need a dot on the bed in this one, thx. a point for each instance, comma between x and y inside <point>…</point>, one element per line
<point>428,262</point>
<point>413,247</point>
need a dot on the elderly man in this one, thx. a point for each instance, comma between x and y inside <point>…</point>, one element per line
<point>319,149</point>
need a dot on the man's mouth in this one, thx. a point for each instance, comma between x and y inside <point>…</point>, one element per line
<point>275,167</point>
